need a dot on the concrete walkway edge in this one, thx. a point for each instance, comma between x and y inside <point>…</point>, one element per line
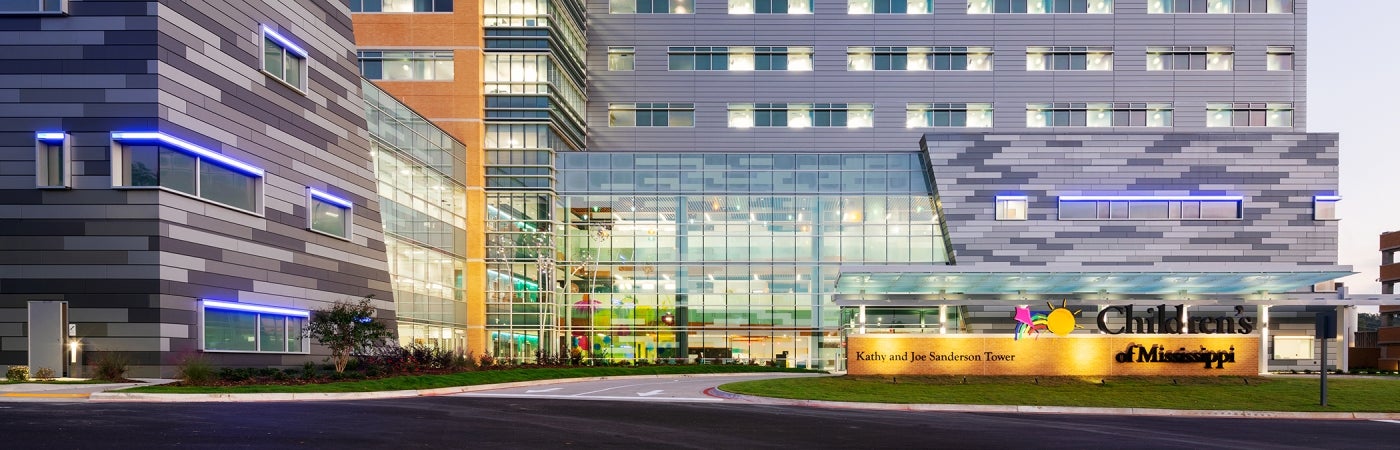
<point>1058,409</point>
<point>119,396</point>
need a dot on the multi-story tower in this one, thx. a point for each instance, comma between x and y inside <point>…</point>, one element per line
<point>745,155</point>
<point>180,177</point>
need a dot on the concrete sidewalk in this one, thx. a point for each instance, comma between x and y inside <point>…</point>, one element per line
<point>112,393</point>
<point>65,391</point>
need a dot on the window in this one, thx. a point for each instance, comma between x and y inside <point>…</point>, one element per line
<point>651,7</point>
<point>406,65</point>
<point>889,6</point>
<point>951,115</point>
<point>401,5</point>
<point>1069,58</point>
<point>328,213</point>
<point>1325,207</point>
<point>1011,207</point>
<point>283,59</point>
<point>651,114</point>
<point>157,160</point>
<point>1280,57</point>
<point>243,327</point>
<point>1040,6</point>
<point>801,115</point>
<point>53,161</point>
<point>770,6</point>
<point>1151,208</point>
<point>621,58</point>
<point>1249,115</point>
<point>1098,115</point>
<point>1190,58</point>
<point>918,58</point>
<point>33,6</point>
<point>1219,6</point>
<point>740,58</point>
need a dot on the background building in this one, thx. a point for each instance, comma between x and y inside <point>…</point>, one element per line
<point>1389,332</point>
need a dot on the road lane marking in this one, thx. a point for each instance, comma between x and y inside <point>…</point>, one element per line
<point>531,391</point>
<point>595,397</point>
<point>1386,421</point>
<point>650,393</point>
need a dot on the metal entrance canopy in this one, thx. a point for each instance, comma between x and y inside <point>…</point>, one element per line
<point>1167,280</point>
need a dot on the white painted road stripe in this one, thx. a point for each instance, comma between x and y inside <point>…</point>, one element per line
<point>650,393</point>
<point>1386,421</point>
<point>531,391</point>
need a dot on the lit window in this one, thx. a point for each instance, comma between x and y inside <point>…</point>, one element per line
<point>651,7</point>
<point>1219,115</point>
<point>33,6</point>
<point>1325,207</point>
<point>651,114</point>
<point>951,115</point>
<point>889,6</point>
<point>1069,58</point>
<point>1219,6</point>
<point>283,59</point>
<point>1040,6</point>
<point>406,65</point>
<point>801,115</point>
<point>1011,207</point>
<point>53,160</point>
<point>770,6</point>
<point>1096,115</point>
<point>739,58</point>
<point>1190,58</point>
<point>401,6</point>
<point>328,213</point>
<point>1151,208</point>
<point>1280,57</point>
<point>621,58</point>
<point>918,58</point>
<point>157,160</point>
<point>242,327</point>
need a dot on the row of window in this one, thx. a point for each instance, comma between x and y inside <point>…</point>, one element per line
<point>973,6</point>
<point>1151,208</point>
<point>401,6</point>
<point>157,160</point>
<point>407,65</point>
<point>1038,58</point>
<point>952,115</point>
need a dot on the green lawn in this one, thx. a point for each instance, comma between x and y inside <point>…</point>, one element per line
<point>459,379</point>
<point>1345,394</point>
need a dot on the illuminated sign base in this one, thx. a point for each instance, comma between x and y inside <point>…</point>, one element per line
<point>1075,355</point>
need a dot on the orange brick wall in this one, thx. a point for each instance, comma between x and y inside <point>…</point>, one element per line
<point>456,106</point>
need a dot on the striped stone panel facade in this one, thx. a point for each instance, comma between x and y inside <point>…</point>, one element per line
<point>133,263</point>
<point>1278,174</point>
<point>830,30</point>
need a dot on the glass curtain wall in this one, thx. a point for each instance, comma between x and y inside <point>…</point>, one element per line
<point>533,73</point>
<point>421,173</point>
<point>729,257</point>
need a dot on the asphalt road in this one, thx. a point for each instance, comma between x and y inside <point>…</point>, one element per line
<point>677,389</point>
<point>459,422</point>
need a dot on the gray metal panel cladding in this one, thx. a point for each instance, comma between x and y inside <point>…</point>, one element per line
<point>1130,30</point>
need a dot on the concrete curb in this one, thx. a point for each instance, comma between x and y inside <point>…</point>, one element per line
<point>1058,409</point>
<point>117,396</point>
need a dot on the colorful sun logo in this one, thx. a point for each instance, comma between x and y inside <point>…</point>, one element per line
<point>1059,320</point>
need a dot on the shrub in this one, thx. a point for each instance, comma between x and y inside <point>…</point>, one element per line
<point>17,373</point>
<point>487,360</point>
<point>235,374</point>
<point>194,370</point>
<point>44,373</point>
<point>111,366</point>
<point>308,370</point>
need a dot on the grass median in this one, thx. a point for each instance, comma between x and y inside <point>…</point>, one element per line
<point>1345,394</point>
<point>494,376</point>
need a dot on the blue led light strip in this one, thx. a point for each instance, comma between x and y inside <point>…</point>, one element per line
<point>186,146</point>
<point>331,198</point>
<point>1082,198</point>
<point>1011,197</point>
<point>50,136</point>
<point>1327,198</point>
<point>216,304</point>
<point>286,43</point>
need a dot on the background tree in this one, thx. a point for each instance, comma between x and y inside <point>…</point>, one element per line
<point>1368,322</point>
<point>347,328</point>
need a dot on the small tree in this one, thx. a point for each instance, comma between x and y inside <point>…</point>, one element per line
<point>347,328</point>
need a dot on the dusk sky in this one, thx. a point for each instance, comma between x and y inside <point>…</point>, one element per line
<point>1351,86</point>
